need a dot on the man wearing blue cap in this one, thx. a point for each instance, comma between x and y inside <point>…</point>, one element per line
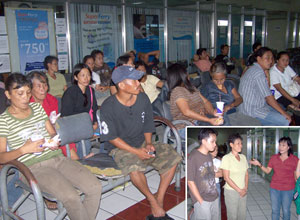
<point>127,126</point>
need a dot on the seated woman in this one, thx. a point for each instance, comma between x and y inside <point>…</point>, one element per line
<point>201,60</point>
<point>282,77</point>
<point>220,89</point>
<point>80,97</point>
<point>55,173</point>
<point>39,92</point>
<point>186,102</point>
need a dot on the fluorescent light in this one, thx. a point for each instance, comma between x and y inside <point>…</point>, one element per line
<point>222,22</point>
<point>137,3</point>
<point>248,24</point>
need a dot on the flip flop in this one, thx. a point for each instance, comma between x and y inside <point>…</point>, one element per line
<point>50,205</point>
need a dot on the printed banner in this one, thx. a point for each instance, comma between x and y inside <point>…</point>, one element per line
<point>146,32</point>
<point>182,28</point>
<point>33,38</point>
<point>97,34</point>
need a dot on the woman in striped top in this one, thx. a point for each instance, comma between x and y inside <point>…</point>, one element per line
<point>23,127</point>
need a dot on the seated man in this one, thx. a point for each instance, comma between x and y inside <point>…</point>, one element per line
<point>127,124</point>
<point>223,57</point>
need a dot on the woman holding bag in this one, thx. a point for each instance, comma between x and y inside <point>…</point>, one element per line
<point>285,82</point>
<point>80,97</point>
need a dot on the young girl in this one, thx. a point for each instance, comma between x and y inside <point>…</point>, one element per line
<point>20,125</point>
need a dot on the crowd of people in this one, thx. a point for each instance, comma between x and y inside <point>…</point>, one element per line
<point>126,96</point>
<point>204,169</point>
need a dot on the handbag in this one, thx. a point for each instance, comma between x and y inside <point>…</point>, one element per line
<point>91,109</point>
<point>294,89</point>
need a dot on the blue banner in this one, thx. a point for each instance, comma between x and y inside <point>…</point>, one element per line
<point>33,38</point>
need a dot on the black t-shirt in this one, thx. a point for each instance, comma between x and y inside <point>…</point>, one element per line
<point>200,170</point>
<point>3,101</point>
<point>153,67</point>
<point>73,102</point>
<point>127,123</point>
<point>222,58</point>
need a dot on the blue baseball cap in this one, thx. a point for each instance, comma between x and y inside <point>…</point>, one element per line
<point>125,72</point>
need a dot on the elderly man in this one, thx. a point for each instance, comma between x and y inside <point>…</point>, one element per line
<point>127,126</point>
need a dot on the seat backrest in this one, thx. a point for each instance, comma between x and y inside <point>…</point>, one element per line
<point>74,128</point>
<point>166,110</point>
<point>205,77</point>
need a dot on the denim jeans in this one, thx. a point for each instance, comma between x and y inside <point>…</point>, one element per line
<point>281,199</point>
<point>13,192</point>
<point>88,147</point>
<point>274,118</point>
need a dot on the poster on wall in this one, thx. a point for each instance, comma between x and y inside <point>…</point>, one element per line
<point>97,34</point>
<point>235,35</point>
<point>33,38</point>
<point>145,32</point>
<point>182,28</point>
<point>248,35</point>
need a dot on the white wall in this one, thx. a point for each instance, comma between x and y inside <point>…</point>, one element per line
<point>276,34</point>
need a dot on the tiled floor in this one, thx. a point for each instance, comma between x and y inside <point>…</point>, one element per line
<point>125,204</point>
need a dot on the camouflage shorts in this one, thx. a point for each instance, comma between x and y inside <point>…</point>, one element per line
<point>166,157</point>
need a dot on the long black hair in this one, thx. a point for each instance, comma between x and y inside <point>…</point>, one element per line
<point>177,76</point>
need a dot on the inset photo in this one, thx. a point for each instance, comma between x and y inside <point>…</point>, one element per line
<point>243,173</point>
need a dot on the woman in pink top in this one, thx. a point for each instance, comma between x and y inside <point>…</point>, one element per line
<point>282,185</point>
<point>201,60</point>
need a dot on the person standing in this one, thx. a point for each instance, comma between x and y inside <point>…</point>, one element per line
<point>282,185</point>
<point>201,177</point>
<point>235,172</point>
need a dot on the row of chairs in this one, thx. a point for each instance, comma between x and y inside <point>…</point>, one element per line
<point>101,161</point>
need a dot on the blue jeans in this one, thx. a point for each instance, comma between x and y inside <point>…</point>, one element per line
<point>13,192</point>
<point>281,198</point>
<point>88,147</point>
<point>274,118</point>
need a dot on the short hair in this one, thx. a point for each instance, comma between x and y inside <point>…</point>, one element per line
<point>124,59</point>
<point>16,78</point>
<point>139,63</point>
<point>281,53</point>
<point>255,45</point>
<point>218,67</point>
<point>37,75</point>
<point>223,46</point>
<point>95,52</point>
<point>204,133</point>
<point>87,57</point>
<point>261,51</point>
<point>233,137</point>
<point>289,143</point>
<point>200,50</point>
<point>49,59</point>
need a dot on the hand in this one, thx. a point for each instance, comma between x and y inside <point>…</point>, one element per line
<point>95,125</point>
<point>255,162</point>
<point>216,121</point>
<point>296,102</point>
<point>150,147</point>
<point>33,146</point>
<point>216,114</point>
<point>142,153</point>
<point>243,192</point>
<point>227,108</point>
<point>287,116</point>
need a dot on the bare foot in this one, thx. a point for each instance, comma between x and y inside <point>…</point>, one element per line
<point>89,155</point>
<point>156,210</point>
<point>50,205</point>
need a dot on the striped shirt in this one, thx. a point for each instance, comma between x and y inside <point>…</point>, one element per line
<point>254,89</point>
<point>18,131</point>
<point>194,101</point>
